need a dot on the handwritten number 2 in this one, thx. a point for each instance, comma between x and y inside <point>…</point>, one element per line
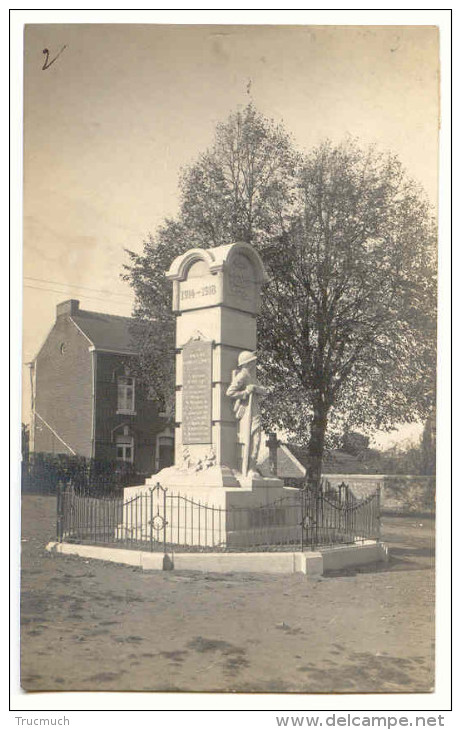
<point>48,63</point>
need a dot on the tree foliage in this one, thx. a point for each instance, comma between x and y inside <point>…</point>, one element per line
<point>348,321</point>
<point>347,325</point>
<point>241,189</point>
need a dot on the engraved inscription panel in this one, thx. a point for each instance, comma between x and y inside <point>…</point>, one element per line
<point>196,393</point>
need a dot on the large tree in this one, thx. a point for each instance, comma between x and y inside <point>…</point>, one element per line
<point>348,321</point>
<point>346,331</point>
<point>243,188</point>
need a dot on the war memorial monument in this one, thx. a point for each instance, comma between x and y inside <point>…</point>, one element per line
<point>218,432</point>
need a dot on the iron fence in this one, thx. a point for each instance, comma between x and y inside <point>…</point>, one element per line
<point>159,520</point>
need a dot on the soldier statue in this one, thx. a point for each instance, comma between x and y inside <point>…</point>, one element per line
<point>246,393</point>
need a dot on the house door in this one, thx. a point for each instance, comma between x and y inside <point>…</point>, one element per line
<point>165,452</point>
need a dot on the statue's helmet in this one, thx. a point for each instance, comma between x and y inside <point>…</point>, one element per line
<point>245,357</point>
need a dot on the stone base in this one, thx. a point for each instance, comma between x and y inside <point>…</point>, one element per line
<point>174,478</point>
<point>310,563</point>
<point>196,514</point>
<point>254,493</point>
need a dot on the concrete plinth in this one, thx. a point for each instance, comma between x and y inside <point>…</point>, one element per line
<point>310,563</point>
<point>210,516</point>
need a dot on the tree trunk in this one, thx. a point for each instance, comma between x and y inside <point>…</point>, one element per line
<point>317,446</point>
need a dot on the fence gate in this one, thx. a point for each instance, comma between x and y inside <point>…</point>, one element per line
<point>144,519</point>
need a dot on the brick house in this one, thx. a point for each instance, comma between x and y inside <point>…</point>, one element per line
<point>85,401</point>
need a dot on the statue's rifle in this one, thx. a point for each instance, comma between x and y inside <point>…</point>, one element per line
<point>247,446</point>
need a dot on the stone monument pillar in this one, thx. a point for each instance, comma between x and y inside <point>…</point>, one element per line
<point>216,298</point>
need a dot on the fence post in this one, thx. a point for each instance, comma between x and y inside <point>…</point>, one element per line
<point>306,518</point>
<point>378,509</point>
<point>165,522</point>
<point>318,497</point>
<point>151,521</point>
<point>347,525</point>
<point>303,513</point>
<point>59,511</point>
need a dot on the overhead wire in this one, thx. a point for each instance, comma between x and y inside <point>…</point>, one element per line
<point>77,286</point>
<point>57,291</point>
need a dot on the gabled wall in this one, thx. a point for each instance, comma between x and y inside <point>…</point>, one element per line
<point>63,391</point>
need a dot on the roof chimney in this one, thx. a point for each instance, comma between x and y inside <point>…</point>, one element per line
<point>69,307</point>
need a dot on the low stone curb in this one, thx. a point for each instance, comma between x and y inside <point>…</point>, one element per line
<point>309,563</point>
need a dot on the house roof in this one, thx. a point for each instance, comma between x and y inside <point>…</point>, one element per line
<point>106,331</point>
<point>336,461</point>
<point>299,453</point>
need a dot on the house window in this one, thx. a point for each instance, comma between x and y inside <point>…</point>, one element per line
<point>125,447</point>
<point>125,395</point>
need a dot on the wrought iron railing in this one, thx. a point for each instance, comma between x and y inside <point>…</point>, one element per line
<point>156,519</point>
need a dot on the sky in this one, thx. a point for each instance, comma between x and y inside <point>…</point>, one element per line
<point>109,124</point>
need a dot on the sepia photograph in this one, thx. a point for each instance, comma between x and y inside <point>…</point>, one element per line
<point>229,358</point>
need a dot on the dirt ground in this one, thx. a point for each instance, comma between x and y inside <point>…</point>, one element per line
<point>89,625</point>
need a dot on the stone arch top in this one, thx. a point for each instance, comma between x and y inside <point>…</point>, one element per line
<point>217,259</point>
<point>228,276</point>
